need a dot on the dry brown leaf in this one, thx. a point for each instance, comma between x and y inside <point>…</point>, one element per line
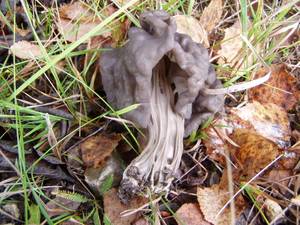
<point>113,207</point>
<point>190,26</point>
<point>73,31</point>
<point>211,201</point>
<point>76,19</point>
<point>54,206</point>
<point>75,11</point>
<point>26,50</point>
<point>216,143</point>
<point>281,89</point>
<point>211,15</point>
<point>231,44</point>
<point>255,152</point>
<point>268,120</point>
<point>141,221</point>
<point>190,213</point>
<point>97,149</point>
<point>279,180</point>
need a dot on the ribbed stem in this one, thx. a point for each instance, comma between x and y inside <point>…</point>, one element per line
<point>155,167</point>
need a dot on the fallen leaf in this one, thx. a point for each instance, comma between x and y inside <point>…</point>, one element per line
<point>96,150</point>
<point>113,207</point>
<point>73,31</point>
<point>76,19</point>
<point>141,221</point>
<point>231,45</point>
<point>43,167</point>
<point>224,126</point>
<point>76,10</point>
<point>26,50</point>
<point>190,213</point>
<point>211,15</point>
<point>268,120</point>
<point>190,26</point>
<point>278,178</point>
<point>59,205</point>
<point>281,89</point>
<point>255,152</point>
<point>211,201</point>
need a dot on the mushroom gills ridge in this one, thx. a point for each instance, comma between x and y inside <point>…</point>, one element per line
<point>156,165</point>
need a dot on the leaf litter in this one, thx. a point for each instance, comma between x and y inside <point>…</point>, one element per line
<point>253,134</point>
<point>281,89</point>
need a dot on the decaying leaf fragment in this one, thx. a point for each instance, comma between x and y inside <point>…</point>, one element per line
<point>281,89</point>
<point>97,149</point>
<point>269,121</point>
<point>255,152</point>
<point>211,15</point>
<point>211,201</point>
<point>113,207</point>
<point>190,26</point>
<point>190,213</point>
<point>59,205</point>
<point>76,19</point>
<point>231,45</point>
<point>26,50</point>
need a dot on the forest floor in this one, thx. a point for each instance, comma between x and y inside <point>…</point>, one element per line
<point>63,150</point>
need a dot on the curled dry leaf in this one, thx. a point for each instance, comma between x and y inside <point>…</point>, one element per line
<point>211,201</point>
<point>190,26</point>
<point>231,45</point>
<point>190,213</point>
<point>255,152</point>
<point>96,150</point>
<point>281,89</point>
<point>26,50</point>
<point>113,207</point>
<point>211,15</point>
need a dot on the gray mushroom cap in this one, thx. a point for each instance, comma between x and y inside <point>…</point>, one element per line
<point>127,72</point>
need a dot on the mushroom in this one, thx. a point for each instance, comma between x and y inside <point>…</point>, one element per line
<point>166,73</point>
